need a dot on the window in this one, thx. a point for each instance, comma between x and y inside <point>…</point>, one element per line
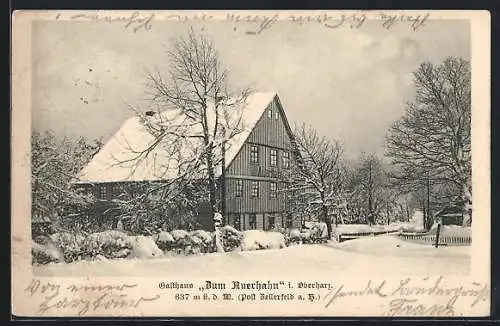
<point>270,113</point>
<point>255,189</point>
<point>270,222</point>
<point>273,188</point>
<point>252,222</point>
<point>274,157</point>
<point>103,193</point>
<point>238,192</point>
<point>277,115</point>
<point>117,190</point>
<point>286,160</point>
<point>254,154</point>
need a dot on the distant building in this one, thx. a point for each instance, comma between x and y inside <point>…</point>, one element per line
<point>254,160</point>
<point>450,215</point>
<point>450,212</point>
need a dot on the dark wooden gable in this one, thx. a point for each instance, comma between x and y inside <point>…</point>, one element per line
<point>271,131</point>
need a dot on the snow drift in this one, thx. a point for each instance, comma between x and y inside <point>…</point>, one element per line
<point>257,240</point>
<point>144,248</point>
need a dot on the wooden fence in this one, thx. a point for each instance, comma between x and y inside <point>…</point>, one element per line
<point>417,237</point>
<point>350,236</point>
<point>431,239</point>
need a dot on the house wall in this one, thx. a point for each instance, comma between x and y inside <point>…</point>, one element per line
<point>270,133</point>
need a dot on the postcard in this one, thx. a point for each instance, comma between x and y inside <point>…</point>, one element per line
<point>251,163</point>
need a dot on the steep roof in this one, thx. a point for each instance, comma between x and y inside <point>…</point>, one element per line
<point>130,155</point>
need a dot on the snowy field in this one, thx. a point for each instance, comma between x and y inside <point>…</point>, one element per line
<point>382,255</point>
<point>364,228</point>
<point>414,224</point>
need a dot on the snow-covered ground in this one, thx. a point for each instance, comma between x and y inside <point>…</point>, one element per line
<point>364,228</point>
<point>415,224</point>
<point>381,255</point>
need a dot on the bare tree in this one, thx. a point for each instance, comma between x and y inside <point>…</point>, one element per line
<point>196,113</point>
<point>368,188</point>
<point>432,140</point>
<point>318,176</point>
<point>55,163</point>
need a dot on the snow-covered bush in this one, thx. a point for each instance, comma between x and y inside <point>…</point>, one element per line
<point>70,244</point>
<point>144,248</point>
<point>284,231</point>
<point>258,240</point>
<point>306,237</point>
<point>110,244</point>
<point>206,239</point>
<point>164,240</point>
<point>315,232</point>
<point>294,236</point>
<point>184,243</point>
<point>190,245</point>
<point>231,238</point>
<point>179,234</point>
<point>319,232</point>
<point>42,254</point>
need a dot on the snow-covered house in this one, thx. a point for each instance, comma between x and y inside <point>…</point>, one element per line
<point>253,160</point>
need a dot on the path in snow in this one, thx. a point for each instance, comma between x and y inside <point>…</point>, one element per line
<point>378,255</point>
<point>417,219</point>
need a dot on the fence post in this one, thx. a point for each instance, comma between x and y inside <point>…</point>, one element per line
<point>437,235</point>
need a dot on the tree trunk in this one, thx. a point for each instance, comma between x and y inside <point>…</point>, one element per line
<point>424,219</point>
<point>370,196</point>
<point>467,206</point>
<point>213,198</point>
<point>407,212</point>
<point>326,219</point>
<point>212,187</point>
<point>219,247</point>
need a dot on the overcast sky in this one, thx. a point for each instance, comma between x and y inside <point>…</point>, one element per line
<point>350,84</point>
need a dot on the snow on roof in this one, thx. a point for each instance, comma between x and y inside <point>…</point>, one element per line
<point>131,154</point>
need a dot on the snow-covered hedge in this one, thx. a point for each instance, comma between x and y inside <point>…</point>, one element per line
<point>258,240</point>
<point>144,248</point>
<point>110,244</point>
<point>42,254</point>
<point>70,244</point>
<point>231,238</point>
<point>206,240</point>
<point>68,247</point>
<point>294,236</point>
<point>179,234</point>
<point>316,233</point>
<point>184,243</point>
<point>164,240</point>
